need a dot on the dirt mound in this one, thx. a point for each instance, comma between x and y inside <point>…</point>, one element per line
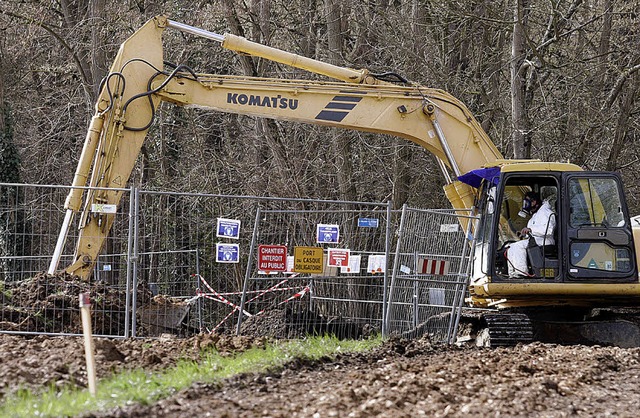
<point>39,362</point>
<point>49,303</point>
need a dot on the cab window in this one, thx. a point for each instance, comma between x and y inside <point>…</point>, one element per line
<point>595,202</point>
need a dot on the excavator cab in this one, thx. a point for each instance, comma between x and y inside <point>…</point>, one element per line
<point>589,239</point>
<point>540,254</point>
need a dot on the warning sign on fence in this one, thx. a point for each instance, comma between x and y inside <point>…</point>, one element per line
<point>338,257</point>
<point>433,266</point>
<point>228,228</point>
<point>307,260</point>
<point>327,234</point>
<point>272,258</point>
<point>227,253</point>
<point>377,263</point>
<point>353,266</point>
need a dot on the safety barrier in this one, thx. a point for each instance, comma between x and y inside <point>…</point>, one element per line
<point>184,263</point>
<point>336,255</point>
<point>32,302</point>
<point>178,263</point>
<point>430,274</point>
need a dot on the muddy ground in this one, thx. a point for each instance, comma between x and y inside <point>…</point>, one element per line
<point>402,378</point>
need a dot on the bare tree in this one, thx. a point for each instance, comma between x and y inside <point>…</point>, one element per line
<point>519,66</point>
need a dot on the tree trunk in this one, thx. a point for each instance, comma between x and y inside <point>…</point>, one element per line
<point>309,27</point>
<point>627,99</point>
<point>520,137</point>
<point>341,143</point>
<point>401,174</point>
<point>98,58</point>
<point>248,65</point>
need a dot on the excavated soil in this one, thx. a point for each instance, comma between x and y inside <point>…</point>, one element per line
<point>40,362</point>
<point>401,378</point>
<point>49,303</point>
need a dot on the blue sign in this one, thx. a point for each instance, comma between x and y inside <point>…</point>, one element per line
<point>227,253</point>
<point>327,234</point>
<point>368,222</point>
<point>228,228</point>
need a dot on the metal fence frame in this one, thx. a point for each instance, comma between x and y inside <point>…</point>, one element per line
<point>428,313</point>
<point>168,236</point>
<point>356,301</point>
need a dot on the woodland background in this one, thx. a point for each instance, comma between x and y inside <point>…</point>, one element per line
<point>556,80</point>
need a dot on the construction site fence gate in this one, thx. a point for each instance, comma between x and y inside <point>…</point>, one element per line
<point>430,274</point>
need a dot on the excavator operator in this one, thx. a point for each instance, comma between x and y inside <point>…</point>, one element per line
<point>541,227</point>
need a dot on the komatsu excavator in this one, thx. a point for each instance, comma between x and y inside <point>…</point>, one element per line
<point>592,264</point>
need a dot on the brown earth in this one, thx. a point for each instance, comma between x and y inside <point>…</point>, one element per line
<point>49,303</point>
<point>39,362</point>
<point>402,378</point>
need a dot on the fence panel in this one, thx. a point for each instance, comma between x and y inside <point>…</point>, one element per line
<point>33,302</point>
<point>178,222</point>
<point>345,294</point>
<point>429,274</point>
<point>178,234</point>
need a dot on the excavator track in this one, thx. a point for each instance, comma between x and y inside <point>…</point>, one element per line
<point>608,327</point>
<point>505,330</point>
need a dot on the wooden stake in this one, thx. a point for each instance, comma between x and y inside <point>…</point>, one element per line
<point>85,313</point>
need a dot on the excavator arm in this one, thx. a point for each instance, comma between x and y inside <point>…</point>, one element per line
<point>137,83</point>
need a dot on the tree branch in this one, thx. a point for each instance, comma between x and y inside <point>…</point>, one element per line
<point>86,83</point>
<point>613,94</point>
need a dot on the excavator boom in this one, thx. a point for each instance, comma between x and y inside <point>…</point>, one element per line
<point>137,84</point>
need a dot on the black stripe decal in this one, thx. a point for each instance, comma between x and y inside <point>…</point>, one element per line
<point>331,115</point>
<point>347,99</point>
<point>343,106</point>
<point>353,92</point>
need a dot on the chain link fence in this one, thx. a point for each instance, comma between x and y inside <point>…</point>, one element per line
<point>347,245</point>
<point>32,302</point>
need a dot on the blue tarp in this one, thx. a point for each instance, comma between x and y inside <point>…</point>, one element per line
<point>474,177</point>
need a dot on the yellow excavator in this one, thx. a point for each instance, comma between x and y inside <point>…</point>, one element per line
<point>591,264</point>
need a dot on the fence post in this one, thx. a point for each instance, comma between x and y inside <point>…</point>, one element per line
<point>127,310</point>
<point>197,277</point>
<point>385,279</point>
<point>134,260</point>
<point>416,296</point>
<point>385,328</point>
<point>457,303</point>
<point>254,238</point>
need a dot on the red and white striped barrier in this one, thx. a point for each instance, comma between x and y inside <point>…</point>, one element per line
<point>298,295</point>
<point>272,288</point>
<point>218,296</point>
<point>433,266</point>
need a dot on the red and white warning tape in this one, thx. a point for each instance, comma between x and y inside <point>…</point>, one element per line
<point>219,297</point>
<point>298,295</point>
<point>252,292</point>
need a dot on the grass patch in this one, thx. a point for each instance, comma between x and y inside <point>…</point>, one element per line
<point>138,386</point>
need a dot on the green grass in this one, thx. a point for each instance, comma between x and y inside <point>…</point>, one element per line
<point>138,386</point>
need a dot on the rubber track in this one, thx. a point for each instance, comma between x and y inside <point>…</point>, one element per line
<point>508,329</point>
